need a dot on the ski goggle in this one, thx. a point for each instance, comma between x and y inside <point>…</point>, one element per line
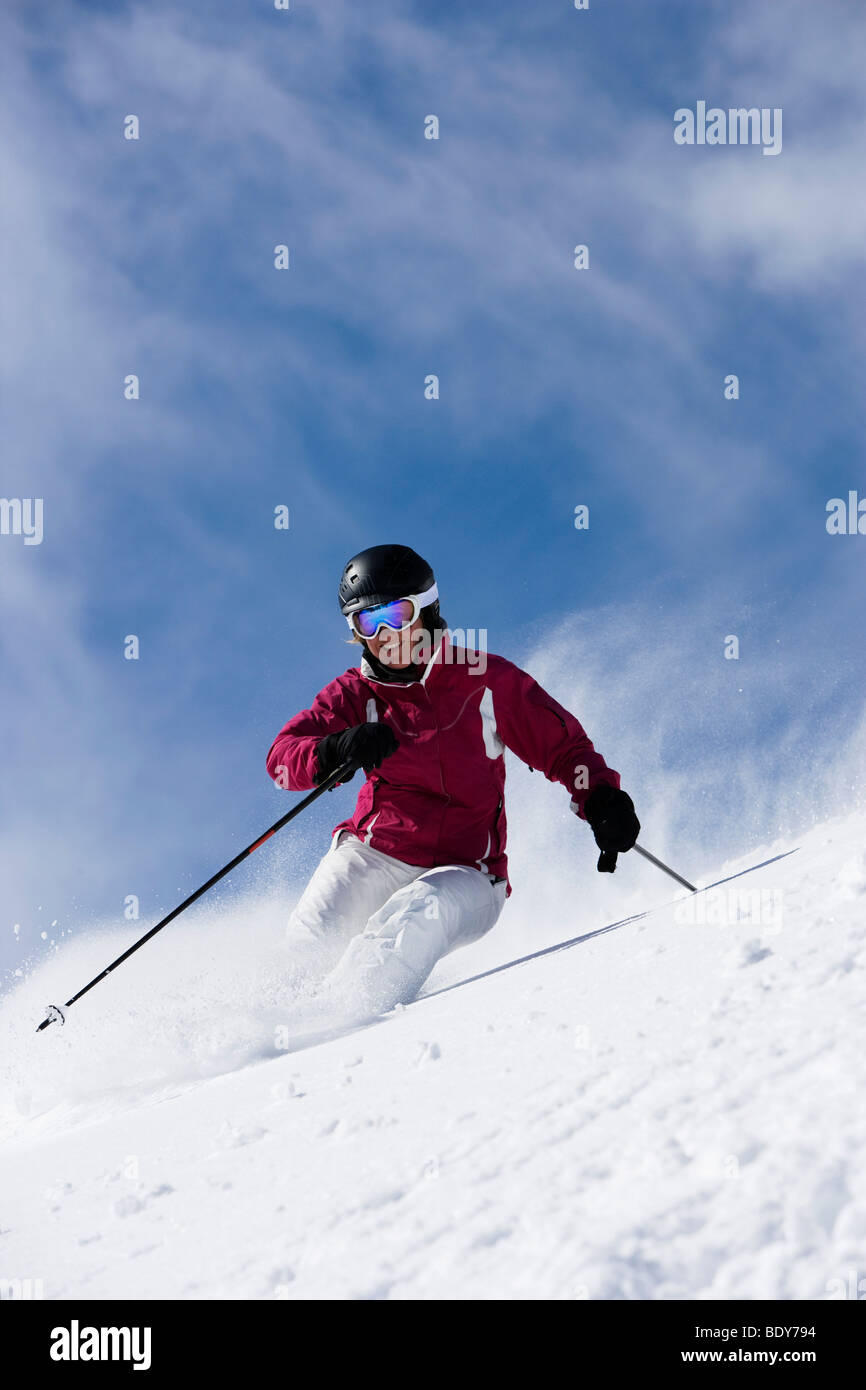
<point>397,614</point>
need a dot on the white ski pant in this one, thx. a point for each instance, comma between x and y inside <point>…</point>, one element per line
<point>379,926</point>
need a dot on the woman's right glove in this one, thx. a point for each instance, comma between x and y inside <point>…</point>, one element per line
<point>365,745</point>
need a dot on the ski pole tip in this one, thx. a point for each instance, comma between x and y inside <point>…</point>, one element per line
<point>52,1015</point>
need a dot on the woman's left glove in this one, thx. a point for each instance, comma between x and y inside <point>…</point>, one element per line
<point>611,816</point>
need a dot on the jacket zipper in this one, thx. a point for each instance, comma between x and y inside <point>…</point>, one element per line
<point>496,838</point>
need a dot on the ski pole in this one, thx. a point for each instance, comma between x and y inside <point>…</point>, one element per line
<point>664,868</point>
<point>55,1015</point>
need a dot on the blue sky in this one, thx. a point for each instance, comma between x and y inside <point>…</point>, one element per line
<point>305,387</point>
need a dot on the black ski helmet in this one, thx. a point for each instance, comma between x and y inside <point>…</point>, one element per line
<point>382,573</point>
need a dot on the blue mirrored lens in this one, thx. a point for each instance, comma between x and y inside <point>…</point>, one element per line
<point>396,614</point>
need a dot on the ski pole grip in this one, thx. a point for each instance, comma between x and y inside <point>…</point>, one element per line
<point>342,774</point>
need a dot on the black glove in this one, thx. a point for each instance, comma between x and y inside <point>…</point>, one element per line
<point>611,816</point>
<point>365,745</point>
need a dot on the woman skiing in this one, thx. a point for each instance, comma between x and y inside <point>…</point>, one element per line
<point>420,867</point>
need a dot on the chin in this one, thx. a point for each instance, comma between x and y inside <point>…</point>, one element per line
<point>389,657</point>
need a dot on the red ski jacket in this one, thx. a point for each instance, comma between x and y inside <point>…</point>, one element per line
<point>440,798</point>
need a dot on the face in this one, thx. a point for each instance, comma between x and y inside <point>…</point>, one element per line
<point>394,648</point>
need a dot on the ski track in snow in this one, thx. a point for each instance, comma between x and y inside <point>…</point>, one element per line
<point>664,1111</point>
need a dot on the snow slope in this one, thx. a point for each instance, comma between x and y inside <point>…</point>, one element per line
<point>665,1110</point>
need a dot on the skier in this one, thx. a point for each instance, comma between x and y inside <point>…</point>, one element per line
<point>420,867</point>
